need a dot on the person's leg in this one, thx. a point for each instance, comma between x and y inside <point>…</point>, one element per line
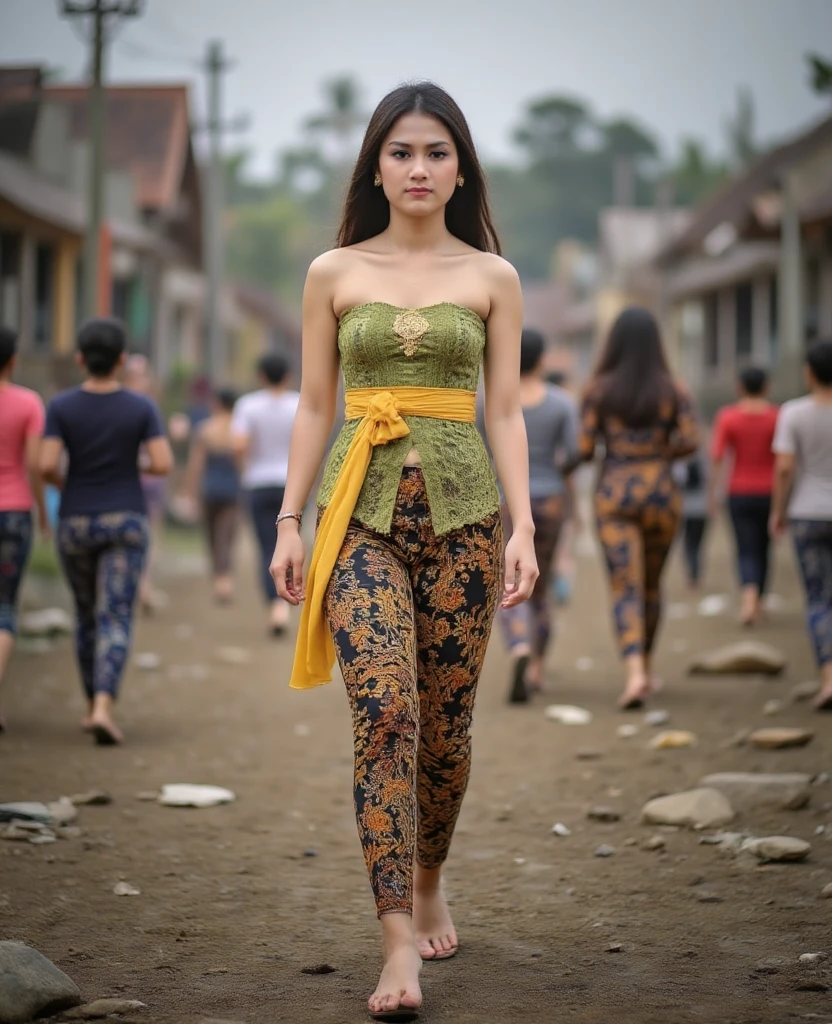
<point>78,554</point>
<point>15,544</point>
<point>761,516</point>
<point>813,546</point>
<point>661,523</point>
<point>548,520</point>
<point>227,518</point>
<point>516,626</point>
<point>456,586</point>
<point>265,503</point>
<point>369,608</point>
<point>154,489</point>
<point>124,539</point>
<point>740,507</point>
<point>694,532</point>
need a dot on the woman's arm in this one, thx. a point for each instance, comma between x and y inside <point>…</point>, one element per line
<point>506,428</point>
<point>784,474</point>
<point>718,446</point>
<point>49,461</point>
<point>587,433</point>
<point>313,420</point>
<point>33,443</point>
<point>159,457</point>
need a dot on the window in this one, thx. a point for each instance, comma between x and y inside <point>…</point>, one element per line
<point>10,246</point>
<point>711,346</point>
<point>44,289</point>
<point>743,306</point>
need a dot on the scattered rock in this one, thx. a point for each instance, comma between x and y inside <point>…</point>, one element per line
<point>32,986</point>
<point>559,829</point>
<point>26,811</point>
<point>605,851</point>
<point>742,658</point>
<point>46,622</point>
<point>778,848</point>
<point>826,892</point>
<point>775,739</point>
<point>712,605</point>
<point>186,794</point>
<point>43,839</point>
<point>631,841</point>
<point>319,969</point>
<point>147,661</point>
<point>568,714</point>
<point>614,947</point>
<point>696,808</point>
<point>655,843</point>
<point>673,739</point>
<point>728,842</point>
<point>708,897</point>
<point>804,691</point>
<point>603,814</point>
<point>63,811</point>
<point>310,852</point>
<point>754,791</point>
<point>812,958</point>
<point>657,718</point>
<point>93,797</point>
<point>126,889</point>
<point>626,732</point>
<point>773,707</point>
<point>233,655</point>
<point>103,1008</point>
<point>588,754</point>
<point>14,833</point>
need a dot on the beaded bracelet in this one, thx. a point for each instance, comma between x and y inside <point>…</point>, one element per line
<point>289,515</point>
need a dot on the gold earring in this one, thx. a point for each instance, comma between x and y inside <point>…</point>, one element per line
<point>460,180</point>
<point>377,180</point>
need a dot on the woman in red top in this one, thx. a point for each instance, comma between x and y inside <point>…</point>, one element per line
<point>747,429</point>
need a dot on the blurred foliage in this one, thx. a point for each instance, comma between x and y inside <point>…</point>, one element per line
<point>568,163</point>
<point>820,72</point>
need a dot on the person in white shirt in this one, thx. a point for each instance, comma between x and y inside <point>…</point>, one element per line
<point>803,494</point>
<point>262,430</point>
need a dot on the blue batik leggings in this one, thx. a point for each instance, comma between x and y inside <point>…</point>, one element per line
<point>15,542</point>
<point>102,558</point>
<point>813,544</point>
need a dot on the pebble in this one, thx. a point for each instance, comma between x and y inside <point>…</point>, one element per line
<point>588,754</point>
<point>559,829</point>
<point>657,718</point>
<point>812,958</point>
<point>712,605</point>
<point>777,739</point>
<point>93,798</point>
<point>186,794</point>
<point>673,739</point>
<point>747,657</point>
<point>37,986</point>
<point>43,839</point>
<point>568,714</point>
<point>755,791</point>
<point>826,892</point>
<point>615,947</point>
<point>695,808</point>
<point>631,841</point>
<point>63,811</point>
<point>603,814</point>
<point>804,691</point>
<point>655,843</point>
<point>319,969</point>
<point>773,707</point>
<point>310,853</point>
<point>626,732</point>
<point>605,851</point>
<point>126,889</point>
<point>147,661</point>
<point>778,848</point>
<point>708,897</point>
<point>100,1008</point>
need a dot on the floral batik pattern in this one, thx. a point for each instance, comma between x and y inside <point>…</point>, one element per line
<point>15,543</point>
<point>813,544</point>
<point>103,557</point>
<point>410,615</point>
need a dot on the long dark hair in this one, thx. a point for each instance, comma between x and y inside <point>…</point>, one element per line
<point>366,209</point>
<point>633,379</point>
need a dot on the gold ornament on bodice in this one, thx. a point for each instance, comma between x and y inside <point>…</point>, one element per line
<point>411,327</point>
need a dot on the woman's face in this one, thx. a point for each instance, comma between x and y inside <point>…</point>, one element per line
<point>418,164</point>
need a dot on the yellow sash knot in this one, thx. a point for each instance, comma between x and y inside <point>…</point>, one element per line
<point>381,412</point>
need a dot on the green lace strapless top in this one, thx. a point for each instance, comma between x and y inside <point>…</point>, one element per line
<point>437,346</point>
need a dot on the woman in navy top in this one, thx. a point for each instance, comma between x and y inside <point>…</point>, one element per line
<point>102,532</point>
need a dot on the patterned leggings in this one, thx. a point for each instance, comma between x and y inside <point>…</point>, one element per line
<point>15,543</point>
<point>637,509</point>
<point>103,557</point>
<point>410,615</point>
<point>813,543</point>
<point>532,622</point>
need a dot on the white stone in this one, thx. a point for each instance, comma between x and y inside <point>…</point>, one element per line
<point>695,808</point>
<point>126,889</point>
<point>741,658</point>
<point>559,829</point>
<point>186,794</point>
<point>101,1008</point>
<point>713,605</point>
<point>773,707</point>
<point>778,738</point>
<point>755,791</point>
<point>627,731</point>
<point>568,714</point>
<point>657,718</point>
<point>778,848</point>
<point>26,809</point>
<point>812,958</point>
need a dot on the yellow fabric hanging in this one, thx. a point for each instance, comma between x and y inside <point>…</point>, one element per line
<point>380,411</point>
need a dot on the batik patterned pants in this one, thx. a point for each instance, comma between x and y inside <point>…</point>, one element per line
<point>813,543</point>
<point>410,615</point>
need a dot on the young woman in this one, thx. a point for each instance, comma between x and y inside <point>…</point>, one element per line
<point>645,421</point>
<point>212,478</point>
<point>803,491</point>
<point>746,430</point>
<point>102,530</point>
<point>551,419</point>
<point>21,423</point>
<point>405,574</point>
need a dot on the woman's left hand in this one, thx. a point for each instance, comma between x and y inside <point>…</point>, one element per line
<point>521,570</point>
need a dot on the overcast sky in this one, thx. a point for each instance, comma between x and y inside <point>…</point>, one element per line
<point>673,64</point>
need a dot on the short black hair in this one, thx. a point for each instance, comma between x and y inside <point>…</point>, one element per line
<point>8,346</point>
<point>557,377</point>
<point>753,380</point>
<point>225,398</point>
<point>274,366</point>
<point>819,361</point>
<point>532,347</point>
<point>102,342</point>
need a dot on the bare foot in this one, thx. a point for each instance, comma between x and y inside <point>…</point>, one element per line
<point>823,701</point>
<point>635,693</point>
<point>435,933</point>
<point>102,726</point>
<point>398,987</point>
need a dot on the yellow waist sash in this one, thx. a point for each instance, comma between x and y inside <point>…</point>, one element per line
<point>380,411</point>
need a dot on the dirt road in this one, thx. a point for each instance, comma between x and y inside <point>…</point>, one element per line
<point>238,901</point>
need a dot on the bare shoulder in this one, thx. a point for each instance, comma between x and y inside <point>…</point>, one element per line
<point>327,267</point>
<point>503,279</point>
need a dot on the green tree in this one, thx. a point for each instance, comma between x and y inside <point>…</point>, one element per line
<point>820,71</point>
<point>695,175</point>
<point>740,130</point>
<point>342,118</point>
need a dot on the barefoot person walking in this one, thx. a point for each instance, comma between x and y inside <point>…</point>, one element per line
<point>102,530</point>
<point>405,574</point>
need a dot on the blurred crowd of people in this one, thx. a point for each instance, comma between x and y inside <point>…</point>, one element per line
<point>102,451</point>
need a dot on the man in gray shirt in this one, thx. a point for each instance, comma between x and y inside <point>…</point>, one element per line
<point>803,491</point>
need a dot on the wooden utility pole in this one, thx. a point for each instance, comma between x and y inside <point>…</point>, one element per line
<point>99,11</point>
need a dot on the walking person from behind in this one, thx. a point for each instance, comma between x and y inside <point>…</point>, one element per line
<point>21,489</point>
<point>803,497</point>
<point>745,431</point>
<point>212,478</point>
<point>645,421</point>
<point>103,533</point>
<point>692,476</point>
<point>551,419</point>
<point>262,429</point>
<point>406,572</point>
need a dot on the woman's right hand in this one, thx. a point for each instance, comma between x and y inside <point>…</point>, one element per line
<point>287,562</point>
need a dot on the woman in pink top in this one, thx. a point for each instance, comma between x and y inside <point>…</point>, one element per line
<point>746,430</point>
<point>21,424</point>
